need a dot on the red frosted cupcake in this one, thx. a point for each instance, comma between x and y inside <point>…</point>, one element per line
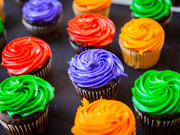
<point>89,31</point>
<point>27,55</point>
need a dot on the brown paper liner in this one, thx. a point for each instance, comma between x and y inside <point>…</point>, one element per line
<point>44,72</point>
<point>140,61</point>
<point>108,92</point>
<point>45,32</point>
<point>80,48</point>
<point>33,127</point>
<point>158,125</point>
<point>82,10</point>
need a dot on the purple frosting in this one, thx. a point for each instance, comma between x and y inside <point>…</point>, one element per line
<point>42,10</point>
<point>95,68</point>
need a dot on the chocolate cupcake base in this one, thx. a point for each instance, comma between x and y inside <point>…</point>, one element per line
<point>158,125</point>
<point>47,31</point>
<point>78,48</point>
<point>33,124</point>
<point>106,92</point>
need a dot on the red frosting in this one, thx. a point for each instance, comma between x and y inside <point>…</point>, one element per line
<point>22,55</point>
<point>91,29</point>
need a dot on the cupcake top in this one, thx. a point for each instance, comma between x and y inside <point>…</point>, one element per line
<point>153,9</point>
<point>91,29</point>
<point>157,92</point>
<point>95,68</point>
<point>93,4</point>
<point>42,10</point>
<point>24,95</point>
<point>22,55</point>
<point>143,34</point>
<point>1,27</point>
<point>104,117</point>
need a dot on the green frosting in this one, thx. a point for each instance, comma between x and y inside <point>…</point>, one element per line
<point>1,26</point>
<point>153,9</point>
<point>24,95</point>
<point>157,92</point>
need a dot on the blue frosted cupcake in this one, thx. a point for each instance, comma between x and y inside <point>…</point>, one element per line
<point>96,73</point>
<point>42,18</point>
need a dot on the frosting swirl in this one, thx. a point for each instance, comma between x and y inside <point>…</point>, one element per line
<point>157,92</point>
<point>24,95</point>
<point>143,34</point>
<point>91,29</point>
<point>153,9</point>
<point>95,68</point>
<point>104,117</point>
<point>1,26</point>
<point>22,55</point>
<point>93,4</point>
<point>42,10</point>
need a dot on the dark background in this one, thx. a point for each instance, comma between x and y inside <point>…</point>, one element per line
<point>63,108</point>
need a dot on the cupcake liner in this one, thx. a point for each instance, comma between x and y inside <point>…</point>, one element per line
<point>140,61</point>
<point>45,71</point>
<point>157,124</point>
<point>30,128</point>
<point>109,92</point>
<point>2,42</point>
<point>104,12</point>
<point>45,32</point>
<point>78,49</point>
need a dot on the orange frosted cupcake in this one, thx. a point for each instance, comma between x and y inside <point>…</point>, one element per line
<point>92,6</point>
<point>141,41</point>
<point>2,11</point>
<point>104,117</point>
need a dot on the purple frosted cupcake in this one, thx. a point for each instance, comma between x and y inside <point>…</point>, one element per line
<point>43,18</point>
<point>96,73</point>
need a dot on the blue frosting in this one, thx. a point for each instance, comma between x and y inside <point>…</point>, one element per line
<point>42,10</point>
<point>95,68</point>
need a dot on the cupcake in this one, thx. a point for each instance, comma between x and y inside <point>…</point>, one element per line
<point>24,104</point>
<point>104,117</point>
<point>141,41</point>
<point>2,16</point>
<point>96,73</point>
<point>89,31</point>
<point>27,55</point>
<point>2,37</point>
<point>43,18</point>
<point>21,2</point>
<point>92,6</point>
<point>156,98</point>
<point>159,10</point>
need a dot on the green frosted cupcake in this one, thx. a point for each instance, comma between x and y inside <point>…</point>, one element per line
<point>24,104</point>
<point>159,10</point>
<point>156,98</point>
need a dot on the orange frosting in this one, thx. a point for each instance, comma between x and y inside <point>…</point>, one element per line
<point>22,55</point>
<point>1,2</point>
<point>93,4</point>
<point>143,34</point>
<point>104,117</point>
